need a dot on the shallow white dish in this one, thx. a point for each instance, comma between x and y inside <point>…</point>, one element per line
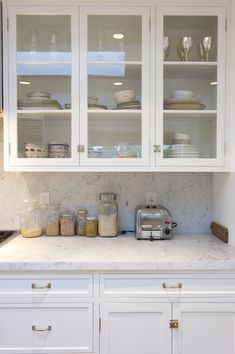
<point>182,99</point>
<point>181,93</point>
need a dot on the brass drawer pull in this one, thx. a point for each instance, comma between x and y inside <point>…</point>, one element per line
<point>35,286</point>
<point>178,286</point>
<point>41,329</point>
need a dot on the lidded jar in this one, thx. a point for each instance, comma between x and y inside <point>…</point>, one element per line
<point>67,223</point>
<point>31,219</point>
<point>52,220</point>
<point>81,222</point>
<point>107,215</point>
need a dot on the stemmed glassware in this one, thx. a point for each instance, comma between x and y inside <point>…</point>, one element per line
<point>184,47</point>
<point>166,47</point>
<point>204,48</point>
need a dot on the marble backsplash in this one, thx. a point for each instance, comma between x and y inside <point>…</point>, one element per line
<point>187,195</point>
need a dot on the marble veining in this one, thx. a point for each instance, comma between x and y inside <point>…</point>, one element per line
<point>188,252</point>
<point>188,196</point>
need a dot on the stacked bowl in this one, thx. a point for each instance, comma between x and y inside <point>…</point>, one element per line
<point>183,99</point>
<point>125,99</point>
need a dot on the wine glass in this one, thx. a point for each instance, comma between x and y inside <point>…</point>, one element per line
<point>166,47</point>
<point>206,45</point>
<point>186,44</point>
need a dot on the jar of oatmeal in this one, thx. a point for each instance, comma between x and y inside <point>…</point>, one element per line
<point>52,220</point>
<point>67,223</point>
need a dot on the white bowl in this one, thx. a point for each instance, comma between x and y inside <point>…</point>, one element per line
<point>180,136</point>
<point>124,96</point>
<point>182,93</point>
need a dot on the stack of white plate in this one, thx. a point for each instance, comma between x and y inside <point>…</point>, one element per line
<point>183,99</point>
<point>37,101</point>
<point>183,151</point>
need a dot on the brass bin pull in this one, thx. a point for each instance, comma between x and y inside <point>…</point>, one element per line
<point>47,286</point>
<point>41,329</point>
<point>178,286</point>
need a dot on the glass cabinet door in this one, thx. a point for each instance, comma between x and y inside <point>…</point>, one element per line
<point>191,63</point>
<point>41,85</point>
<point>114,86</point>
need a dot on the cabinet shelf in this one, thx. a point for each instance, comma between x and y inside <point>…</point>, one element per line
<point>190,114</point>
<point>52,113</point>
<point>194,70</point>
<point>127,69</point>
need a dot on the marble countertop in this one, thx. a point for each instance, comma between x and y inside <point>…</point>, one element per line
<point>188,252</point>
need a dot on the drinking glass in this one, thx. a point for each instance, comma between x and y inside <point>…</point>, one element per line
<point>186,44</point>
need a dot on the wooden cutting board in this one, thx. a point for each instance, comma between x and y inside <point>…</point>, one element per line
<point>220,231</point>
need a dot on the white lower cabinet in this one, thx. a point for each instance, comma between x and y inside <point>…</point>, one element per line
<point>205,328</point>
<point>117,313</point>
<point>135,328</point>
<point>46,330</point>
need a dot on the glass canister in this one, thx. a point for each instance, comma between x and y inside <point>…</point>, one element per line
<point>81,222</point>
<point>91,226</point>
<point>108,215</point>
<point>52,220</point>
<point>31,219</point>
<point>67,223</point>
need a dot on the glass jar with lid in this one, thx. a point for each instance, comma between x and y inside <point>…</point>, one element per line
<point>91,226</point>
<point>81,222</point>
<point>52,220</point>
<point>31,219</point>
<point>108,215</point>
<point>67,223</point>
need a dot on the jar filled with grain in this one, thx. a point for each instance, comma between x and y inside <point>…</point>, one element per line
<point>81,222</point>
<point>67,223</point>
<point>91,226</point>
<point>108,215</point>
<point>52,220</point>
<point>31,219</point>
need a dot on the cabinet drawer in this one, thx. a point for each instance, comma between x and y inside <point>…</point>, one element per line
<point>151,285</point>
<point>54,329</point>
<point>50,285</point>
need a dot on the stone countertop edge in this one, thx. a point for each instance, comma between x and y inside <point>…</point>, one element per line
<point>122,253</point>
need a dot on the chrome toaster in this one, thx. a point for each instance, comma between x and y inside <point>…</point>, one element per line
<point>153,223</point>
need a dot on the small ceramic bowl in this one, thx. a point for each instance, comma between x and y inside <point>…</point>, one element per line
<point>124,96</point>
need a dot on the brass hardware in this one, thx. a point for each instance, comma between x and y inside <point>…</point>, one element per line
<point>174,324</point>
<point>81,148</point>
<point>41,329</point>
<point>178,286</point>
<point>156,148</point>
<point>47,286</point>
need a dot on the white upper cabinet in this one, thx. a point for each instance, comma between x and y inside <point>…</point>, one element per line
<point>114,86</point>
<point>108,88</point>
<point>43,67</point>
<point>190,65</point>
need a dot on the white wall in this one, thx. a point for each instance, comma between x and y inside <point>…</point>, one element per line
<point>224,183</point>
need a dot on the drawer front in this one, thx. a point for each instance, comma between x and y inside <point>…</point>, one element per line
<point>151,285</point>
<point>47,330</point>
<point>51,285</point>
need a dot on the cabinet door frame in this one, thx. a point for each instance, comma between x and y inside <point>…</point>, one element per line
<point>219,160</point>
<point>10,93</point>
<point>133,307</point>
<point>145,92</point>
<point>197,306</point>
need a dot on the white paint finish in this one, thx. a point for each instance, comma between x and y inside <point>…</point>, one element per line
<point>204,328</point>
<point>135,328</point>
<point>71,329</point>
<point>119,253</point>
